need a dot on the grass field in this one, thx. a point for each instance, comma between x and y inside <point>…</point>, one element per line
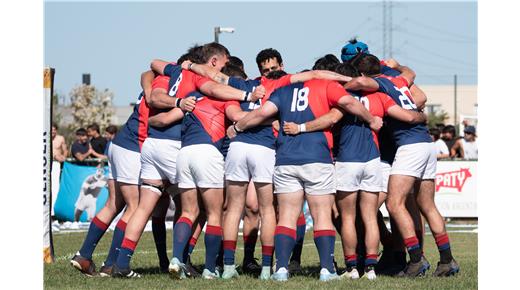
<point>61,275</point>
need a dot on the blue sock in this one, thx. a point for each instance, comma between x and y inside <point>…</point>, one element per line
<point>189,249</point>
<point>284,240</point>
<point>229,252</point>
<point>267,256</point>
<point>117,239</point>
<point>95,232</point>
<point>300,235</point>
<point>213,241</point>
<point>125,254</point>
<point>324,240</point>
<point>159,237</point>
<point>181,237</point>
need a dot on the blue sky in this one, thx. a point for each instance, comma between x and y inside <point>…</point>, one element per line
<point>115,41</point>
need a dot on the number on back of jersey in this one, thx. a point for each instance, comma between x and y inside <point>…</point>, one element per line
<point>404,98</point>
<point>175,87</point>
<point>300,100</point>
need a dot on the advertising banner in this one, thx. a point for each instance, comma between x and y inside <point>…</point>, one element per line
<point>83,192</point>
<point>455,189</point>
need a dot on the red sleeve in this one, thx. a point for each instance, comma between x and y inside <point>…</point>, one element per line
<point>272,85</point>
<point>400,82</point>
<point>386,101</point>
<point>199,80</point>
<point>335,91</point>
<point>160,82</point>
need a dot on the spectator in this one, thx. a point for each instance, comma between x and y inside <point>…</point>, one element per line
<point>59,154</point>
<point>440,126</point>
<point>97,141</point>
<point>81,148</point>
<point>442,149</point>
<point>449,137</point>
<point>110,132</point>
<point>467,145</point>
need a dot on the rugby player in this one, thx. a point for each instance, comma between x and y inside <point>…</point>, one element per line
<point>358,169</point>
<point>415,161</point>
<point>304,165</point>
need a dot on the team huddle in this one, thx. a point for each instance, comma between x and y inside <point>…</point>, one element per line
<point>346,137</point>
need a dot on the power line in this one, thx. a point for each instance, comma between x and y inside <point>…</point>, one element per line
<point>442,56</point>
<point>470,38</point>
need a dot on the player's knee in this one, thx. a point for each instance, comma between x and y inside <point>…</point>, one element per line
<point>252,210</point>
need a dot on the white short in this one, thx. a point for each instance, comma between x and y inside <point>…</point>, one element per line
<point>126,164</point>
<point>312,178</point>
<point>385,174</point>
<point>200,165</point>
<point>418,160</point>
<point>159,159</point>
<point>354,176</point>
<point>246,162</point>
<point>109,156</point>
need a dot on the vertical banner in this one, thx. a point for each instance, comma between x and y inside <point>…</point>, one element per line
<point>48,79</point>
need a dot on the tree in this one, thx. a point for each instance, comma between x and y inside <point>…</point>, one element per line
<point>435,118</point>
<point>90,105</point>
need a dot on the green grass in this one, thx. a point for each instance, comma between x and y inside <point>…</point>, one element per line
<point>60,275</point>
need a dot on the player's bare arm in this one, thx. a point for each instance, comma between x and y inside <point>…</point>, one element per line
<point>319,74</point>
<point>166,118</point>
<point>407,116</point>
<point>256,117</point>
<point>146,84</point>
<point>406,72</point>
<point>228,93</point>
<point>235,113</point>
<point>419,97</point>
<point>323,122</point>
<point>353,106</point>
<point>161,100</point>
<point>362,83</point>
<point>158,66</point>
<point>206,71</point>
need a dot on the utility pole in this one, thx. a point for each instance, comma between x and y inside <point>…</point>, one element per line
<point>455,122</point>
<point>217,30</point>
<point>384,29</point>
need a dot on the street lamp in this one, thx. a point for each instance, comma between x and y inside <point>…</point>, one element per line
<point>219,30</point>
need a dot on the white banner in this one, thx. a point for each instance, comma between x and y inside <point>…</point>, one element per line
<point>455,189</point>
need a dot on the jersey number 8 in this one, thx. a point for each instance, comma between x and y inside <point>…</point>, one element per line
<point>300,100</point>
<point>175,87</point>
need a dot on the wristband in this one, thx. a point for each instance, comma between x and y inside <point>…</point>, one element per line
<point>302,128</point>
<point>236,129</point>
<point>178,103</point>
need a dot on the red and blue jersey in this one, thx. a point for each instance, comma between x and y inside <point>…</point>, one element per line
<point>404,133</point>
<point>300,103</point>
<point>133,133</point>
<point>207,123</point>
<point>357,142</point>
<point>179,83</point>
<point>262,134</point>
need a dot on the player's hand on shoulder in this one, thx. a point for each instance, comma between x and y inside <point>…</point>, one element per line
<point>188,104</point>
<point>392,63</point>
<point>376,124</point>
<point>186,64</point>
<point>290,128</point>
<point>258,93</point>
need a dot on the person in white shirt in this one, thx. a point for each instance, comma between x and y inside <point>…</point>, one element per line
<point>468,144</point>
<point>440,146</point>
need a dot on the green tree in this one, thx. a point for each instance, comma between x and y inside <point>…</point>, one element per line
<point>437,118</point>
<point>89,105</point>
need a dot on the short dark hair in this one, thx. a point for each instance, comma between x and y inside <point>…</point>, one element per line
<point>347,69</point>
<point>449,129</point>
<point>194,54</point>
<point>436,133</point>
<point>211,49</point>
<point>236,61</point>
<point>81,132</point>
<point>233,71</point>
<point>112,129</point>
<point>55,125</point>
<point>367,64</point>
<point>93,126</point>
<point>327,62</point>
<point>267,54</point>
<point>275,74</point>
